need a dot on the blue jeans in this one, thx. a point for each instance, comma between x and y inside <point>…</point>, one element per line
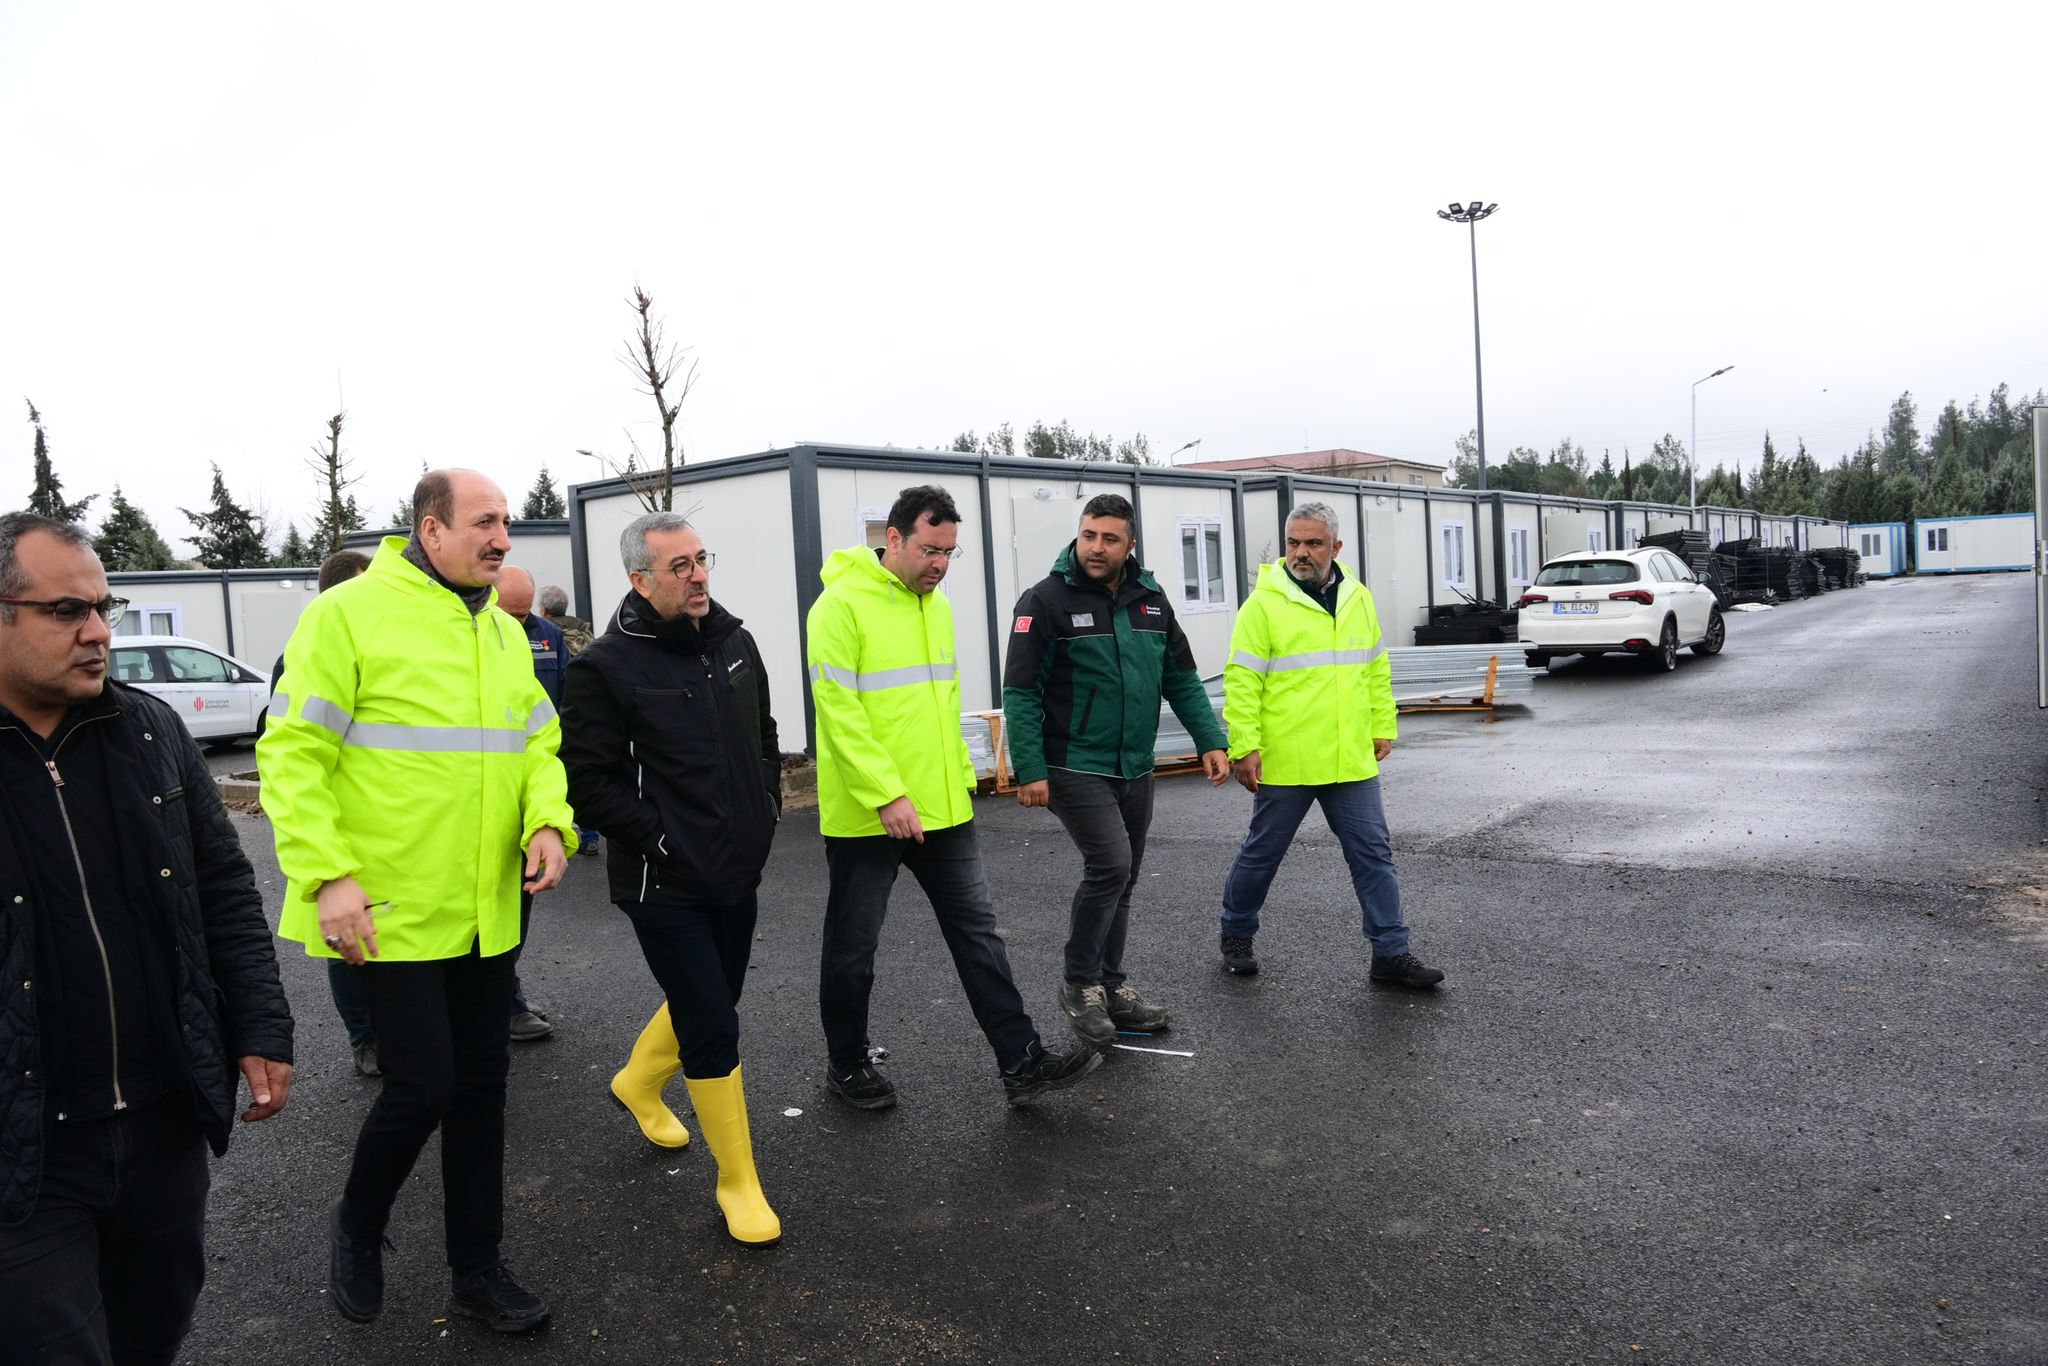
<point>347,991</point>
<point>1360,825</point>
<point>947,865</point>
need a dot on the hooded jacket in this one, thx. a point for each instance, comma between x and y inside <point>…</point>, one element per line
<point>1086,672</point>
<point>409,746</point>
<point>672,752</point>
<point>182,868</point>
<point>1310,691</point>
<point>886,683</point>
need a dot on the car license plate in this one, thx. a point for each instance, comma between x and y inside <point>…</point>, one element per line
<point>1572,609</point>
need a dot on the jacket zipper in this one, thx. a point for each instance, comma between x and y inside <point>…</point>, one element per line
<point>92,919</point>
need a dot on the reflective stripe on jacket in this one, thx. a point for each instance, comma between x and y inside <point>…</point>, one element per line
<point>1309,691</point>
<point>886,681</point>
<point>409,746</point>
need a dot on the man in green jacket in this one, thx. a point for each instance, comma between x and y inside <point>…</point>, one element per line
<point>1309,698</point>
<point>895,790</point>
<point>410,777</point>
<point>1093,648</point>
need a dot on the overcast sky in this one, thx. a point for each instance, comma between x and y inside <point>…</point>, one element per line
<point>887,223</point>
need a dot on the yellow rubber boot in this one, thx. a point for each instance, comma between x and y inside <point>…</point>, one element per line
<point>722,1114</point>
<point>638,1084</point>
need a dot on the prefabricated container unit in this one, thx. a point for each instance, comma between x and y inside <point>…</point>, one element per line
<point>1016,517</point>
<point>1775,530</point>
<point>541,547</point>
<point>1727,524</point>
<point>1973,545</point>
<point>1882,546</point>
<point>246,613</point>
<point>1633,521</point>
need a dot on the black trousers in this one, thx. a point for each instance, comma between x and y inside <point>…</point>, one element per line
<point>108,1267</point>
<point>442,1044</point>
<point>948,866</point>
<point>699,952</point>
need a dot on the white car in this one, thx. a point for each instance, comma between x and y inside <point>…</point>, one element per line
<point>1595,602</point>
<point>220,698</point>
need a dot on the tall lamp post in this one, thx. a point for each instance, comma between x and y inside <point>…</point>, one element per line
<point>1692,454</point>
<point>1470,214</point>
<point>1178,449</point>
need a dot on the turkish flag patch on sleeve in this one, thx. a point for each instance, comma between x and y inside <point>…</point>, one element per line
<point>1023,626</point>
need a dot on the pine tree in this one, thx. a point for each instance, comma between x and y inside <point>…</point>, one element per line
<point>47,498</point>
<point>128,540</point>
<point>1628,478</point>
<point>543,502</point>
<point>229,536</point>
<point>293,552</point>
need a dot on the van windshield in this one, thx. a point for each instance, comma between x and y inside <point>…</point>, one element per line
<point>1578,573</point>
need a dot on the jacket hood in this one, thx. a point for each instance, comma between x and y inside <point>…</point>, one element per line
<point>391,563</point>
<point>862,562</point>
<point>635,616</point>
<point>1274,578</point>
<point>1068,567</point>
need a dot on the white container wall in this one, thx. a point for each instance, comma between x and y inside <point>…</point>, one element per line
<point>1882,546</point>
<point>1974,545</point>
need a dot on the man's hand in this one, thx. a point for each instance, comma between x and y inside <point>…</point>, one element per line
<point>270,1085</point>
<point>899,819</point>
<point>1382,748</point>
<point>1034,794</point>
<point>1246,771</point>
<point>544,857</point>
<point>1216,764</point>
<point>345,920</point>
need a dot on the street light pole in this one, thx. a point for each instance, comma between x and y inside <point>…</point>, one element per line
<point>1178,449</point>
<point>1470,214</point>
<point>1692,453</point>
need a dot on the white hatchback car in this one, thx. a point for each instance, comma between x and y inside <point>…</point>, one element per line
<point>220,698</point>
<point>1642,602</point>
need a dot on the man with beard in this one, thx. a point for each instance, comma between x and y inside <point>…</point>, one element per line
<point>1309,699</point>
<point>671,748</point>
<point>1094,646</point>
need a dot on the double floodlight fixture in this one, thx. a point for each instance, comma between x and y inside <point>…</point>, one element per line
<point>1466,213</point>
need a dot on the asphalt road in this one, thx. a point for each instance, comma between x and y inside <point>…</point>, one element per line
<point>1740,1060</point>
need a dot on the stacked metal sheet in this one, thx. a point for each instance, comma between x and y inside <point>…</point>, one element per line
<point>1840,567</point>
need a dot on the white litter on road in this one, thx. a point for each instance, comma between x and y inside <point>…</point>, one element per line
<point>1752,607</point>
<point>791,1113</point>
<point>1133,1048</point>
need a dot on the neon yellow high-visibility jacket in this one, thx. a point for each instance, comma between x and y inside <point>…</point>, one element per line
<point>887,688</point>
<point>1308,691</point>
<point>410,747</point>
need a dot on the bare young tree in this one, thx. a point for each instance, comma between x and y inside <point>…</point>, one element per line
<point>665,373</point>
<point>338,514</point>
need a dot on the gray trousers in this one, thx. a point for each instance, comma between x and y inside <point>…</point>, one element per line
<point>1107,819</point>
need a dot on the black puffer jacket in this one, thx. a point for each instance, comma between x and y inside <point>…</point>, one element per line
<point>228,999</point>
<point>672,753</point>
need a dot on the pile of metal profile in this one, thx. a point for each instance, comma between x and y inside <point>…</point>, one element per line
<point>1716,571</point>
<point>1840,567</point>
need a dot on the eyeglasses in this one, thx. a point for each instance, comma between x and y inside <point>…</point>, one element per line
<point>932,552</point>
<point>72,612</point>
<point>703,559</point>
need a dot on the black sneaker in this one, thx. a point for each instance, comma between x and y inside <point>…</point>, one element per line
<point>497,1300</point>
<point>1405,970</point>
<point>530,1024</point>
<point>355,1271</point>
<point>1087,1010</point>
<point>864,1087</point>
<point>1128,1010</point>
<point>1238,955</point>
<point>1044,1070</point>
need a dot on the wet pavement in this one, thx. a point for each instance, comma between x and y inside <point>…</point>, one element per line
<point>1741,1059</point>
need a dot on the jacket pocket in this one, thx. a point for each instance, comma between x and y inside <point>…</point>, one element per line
<point>1087,710</point>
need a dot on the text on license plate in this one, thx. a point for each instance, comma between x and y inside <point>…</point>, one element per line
<point>1569,609</point>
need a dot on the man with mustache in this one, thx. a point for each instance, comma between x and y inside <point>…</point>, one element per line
<point>138,979</point>
<point>1094,646</point>
<point>409,772</point>
<point>895,790</point>
<point>1308,695</point>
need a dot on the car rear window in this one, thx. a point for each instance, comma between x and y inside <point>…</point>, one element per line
<point>1577,573</point>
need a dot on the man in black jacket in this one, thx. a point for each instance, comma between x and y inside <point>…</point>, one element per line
<point>671,751</point>
<point>137,978</point>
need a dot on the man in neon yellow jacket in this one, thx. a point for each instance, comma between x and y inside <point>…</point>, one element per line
<point>1308,696</point>
<point>409,772</point>
<point>895,790</point>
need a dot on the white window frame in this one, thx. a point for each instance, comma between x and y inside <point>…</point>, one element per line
<point>1596,539</point>
<point>1937,539</point>
<point>138,612</point>
<point>1518,556</point>
<point>1631,538</point>
<point>1461,561</point>
<point>1195,597</point>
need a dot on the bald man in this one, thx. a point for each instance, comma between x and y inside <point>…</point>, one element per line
<point>550,657</point>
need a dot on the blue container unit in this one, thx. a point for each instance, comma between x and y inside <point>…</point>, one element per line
<point>1973,545</point>
<point>1882,546</point>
